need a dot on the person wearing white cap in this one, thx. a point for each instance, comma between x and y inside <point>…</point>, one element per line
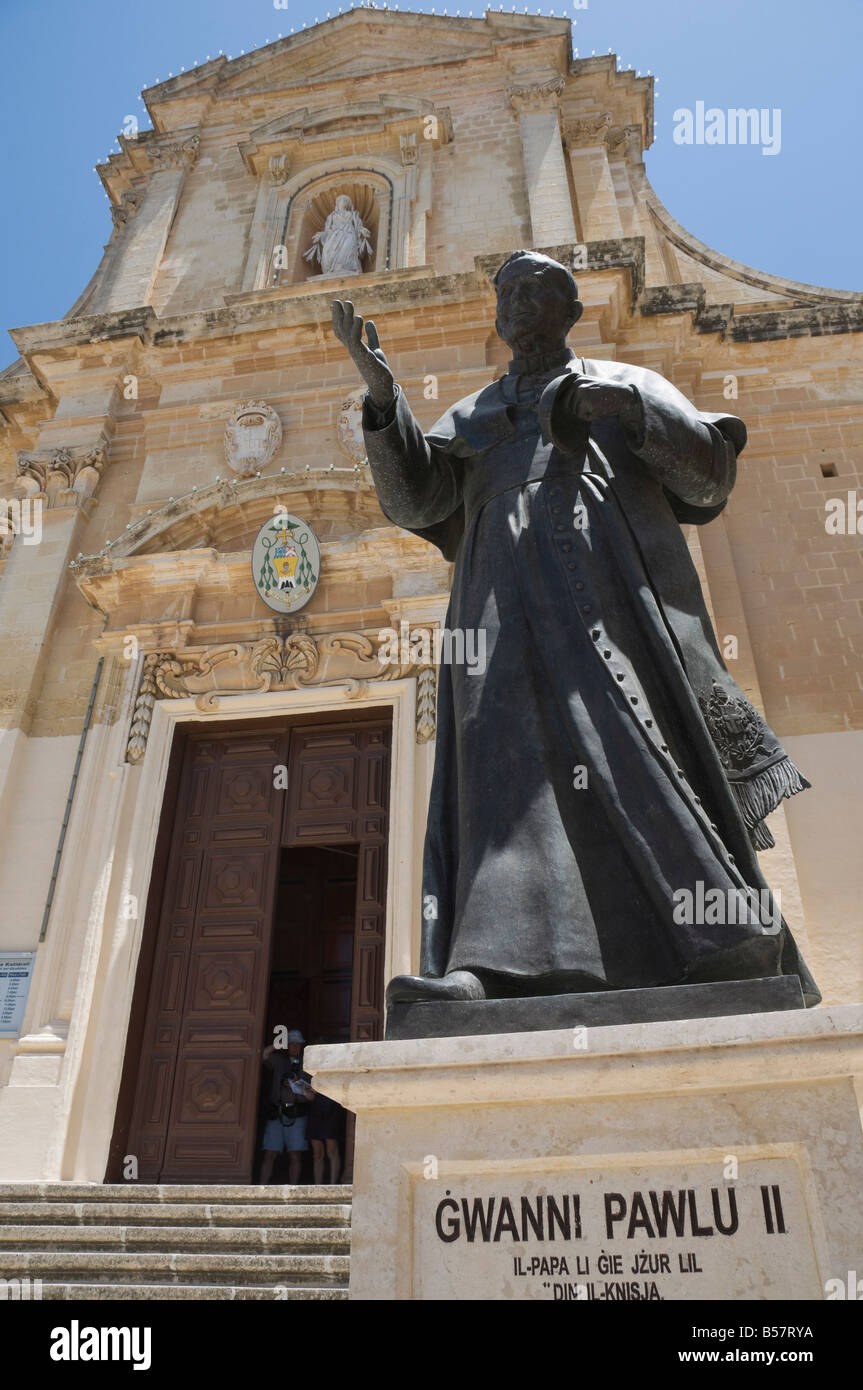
<point>290,1098</point>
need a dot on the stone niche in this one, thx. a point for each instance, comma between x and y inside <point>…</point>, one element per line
<point>378,153</point>
<point>371,197</point>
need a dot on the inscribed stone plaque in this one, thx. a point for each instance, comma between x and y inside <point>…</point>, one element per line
<point>649,1231</point>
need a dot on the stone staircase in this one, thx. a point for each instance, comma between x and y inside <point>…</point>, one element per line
<point>124,1241</point>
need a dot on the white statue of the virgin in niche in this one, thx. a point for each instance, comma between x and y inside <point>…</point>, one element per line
<point>342,240</point>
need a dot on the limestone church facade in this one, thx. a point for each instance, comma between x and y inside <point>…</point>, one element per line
<point>189,777</point>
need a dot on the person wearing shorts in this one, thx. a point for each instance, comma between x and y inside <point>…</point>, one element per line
<point>324,1130</point>
<point>291,1096</point>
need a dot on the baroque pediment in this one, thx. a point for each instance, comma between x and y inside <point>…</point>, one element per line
<point>377,121</point>
<point>362,42</point>
<point>358,44</point>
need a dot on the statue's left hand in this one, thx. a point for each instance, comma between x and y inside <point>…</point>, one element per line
<point>597,400</point>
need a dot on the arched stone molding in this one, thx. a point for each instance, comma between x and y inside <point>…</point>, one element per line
<point>228,513</point>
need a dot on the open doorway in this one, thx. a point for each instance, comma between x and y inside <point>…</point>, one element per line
<point>267,905</point>
<point>311,978</point>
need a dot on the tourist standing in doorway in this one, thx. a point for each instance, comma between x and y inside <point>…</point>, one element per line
<point>291,1095</point>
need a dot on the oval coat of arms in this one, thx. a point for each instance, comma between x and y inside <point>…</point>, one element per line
<point>252,435</point>
<point>286,562</point>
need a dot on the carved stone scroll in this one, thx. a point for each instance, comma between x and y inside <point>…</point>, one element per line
<point>300,659</point>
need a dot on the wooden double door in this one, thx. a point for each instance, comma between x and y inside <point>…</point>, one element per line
<point>189,1099</point>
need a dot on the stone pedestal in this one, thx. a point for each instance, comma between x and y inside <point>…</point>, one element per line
<point>687,1160</point>
<point>540,1013</point>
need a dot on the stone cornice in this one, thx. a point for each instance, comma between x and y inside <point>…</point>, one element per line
<point>92,328</point>
<point>630,95</point>
<point>767,325</point>
<point>822,312</point>
<point>627,253</point>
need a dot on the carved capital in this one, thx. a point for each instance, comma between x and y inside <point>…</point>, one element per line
<point>180,154</point>
<point>125,210</point>
<point>587,130</point>
<point>536,96</point>
<point>624,141</point>
<point>62,477</point>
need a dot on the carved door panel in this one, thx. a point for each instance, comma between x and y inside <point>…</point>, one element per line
<point>338,793</point>
<point>194,1112</point>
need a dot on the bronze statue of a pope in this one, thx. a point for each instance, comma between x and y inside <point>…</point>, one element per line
<point>603,776</point>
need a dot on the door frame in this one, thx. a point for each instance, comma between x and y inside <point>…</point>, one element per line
<point>395,700</point>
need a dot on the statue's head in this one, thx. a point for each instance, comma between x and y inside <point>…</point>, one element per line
<point>537,303</point>
<point>343,202</point>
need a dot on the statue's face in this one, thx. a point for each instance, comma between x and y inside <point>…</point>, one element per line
<point>534,312</point>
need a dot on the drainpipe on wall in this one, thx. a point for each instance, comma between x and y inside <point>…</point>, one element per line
<point>69,799</point>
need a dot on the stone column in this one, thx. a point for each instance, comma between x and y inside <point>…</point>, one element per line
<point>142,226</point>
<point>587,144</point>
<point>551,217</point>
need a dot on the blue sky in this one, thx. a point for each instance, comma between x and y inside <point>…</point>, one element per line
<point>71,72</point>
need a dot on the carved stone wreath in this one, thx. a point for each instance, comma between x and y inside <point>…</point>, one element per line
<point>347,659</point>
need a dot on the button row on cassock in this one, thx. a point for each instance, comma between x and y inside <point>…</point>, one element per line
<point>647,723</point>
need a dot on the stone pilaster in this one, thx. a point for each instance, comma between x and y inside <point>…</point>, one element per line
<point>142,224</point>
<point>551,217</point>
<point>588,139</point>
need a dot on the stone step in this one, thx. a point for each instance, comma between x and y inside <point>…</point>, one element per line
<point>216,1194</point>
<point>264,1239</point>
<point>117,1267</point>
<point>325,1215</point>
<point>139,1293</point>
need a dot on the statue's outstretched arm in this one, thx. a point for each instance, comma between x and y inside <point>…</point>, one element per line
<point>416,481</point>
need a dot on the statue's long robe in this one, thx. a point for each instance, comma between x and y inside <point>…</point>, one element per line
<point>604,763</point>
